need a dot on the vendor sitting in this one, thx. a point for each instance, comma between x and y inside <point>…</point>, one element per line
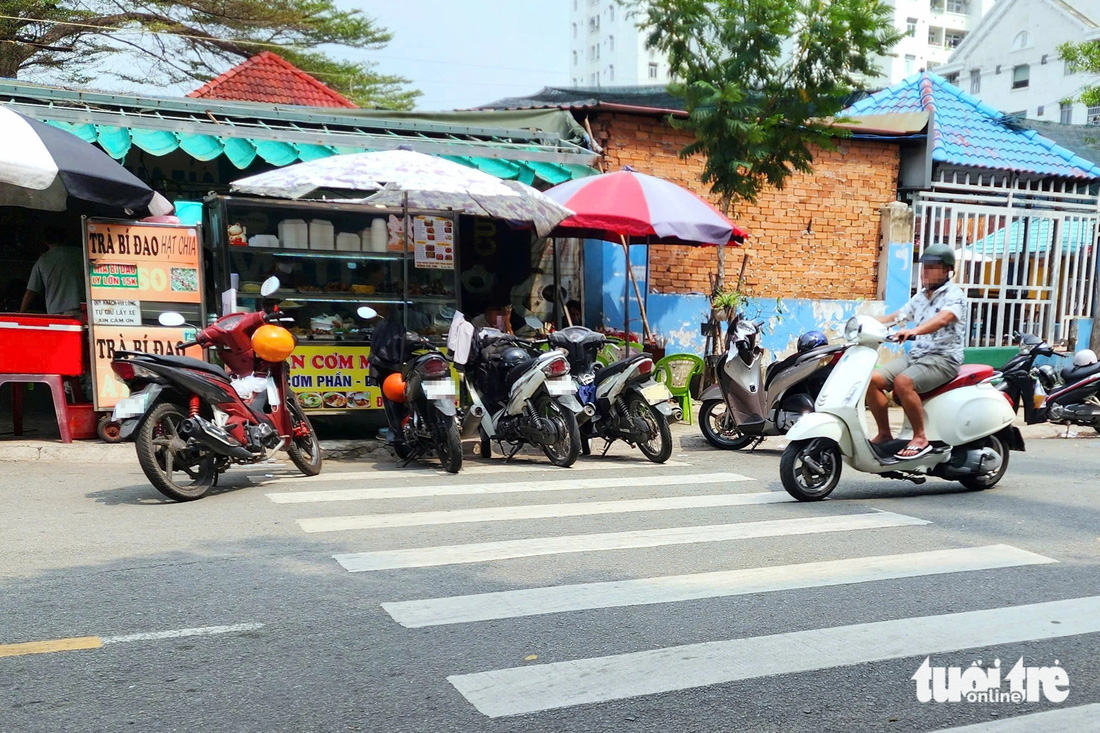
<point>57,277</point>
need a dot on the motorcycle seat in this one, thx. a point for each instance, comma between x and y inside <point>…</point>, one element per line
<point>1073,374</point>
<point>576,335</point>
<point>969,374</point>
<point>776,367</point>
<point>183,362</point>
<point>618,367</point>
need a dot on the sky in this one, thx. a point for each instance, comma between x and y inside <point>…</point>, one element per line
<point>463,53</point>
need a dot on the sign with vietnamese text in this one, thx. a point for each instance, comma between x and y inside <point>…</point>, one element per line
<point>332,377</point>
<point>105,341</point>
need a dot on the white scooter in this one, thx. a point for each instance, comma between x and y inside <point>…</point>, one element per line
<point>967,421</point>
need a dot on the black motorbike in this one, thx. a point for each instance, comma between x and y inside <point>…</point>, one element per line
<point>521,396</point>
<point>1066,398</point>
<point>423,420</point>
<point>626,403</point>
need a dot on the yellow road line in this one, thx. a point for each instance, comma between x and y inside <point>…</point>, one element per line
<point>54,645</point>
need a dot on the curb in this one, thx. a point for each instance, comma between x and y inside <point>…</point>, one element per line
<point>94,451</point>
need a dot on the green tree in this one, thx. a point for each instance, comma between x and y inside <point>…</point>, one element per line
<point>760,80</point>
<point>181,41</point>
<point>1084,57</point>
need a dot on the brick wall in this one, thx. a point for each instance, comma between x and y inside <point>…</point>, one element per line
<point>816,238</point>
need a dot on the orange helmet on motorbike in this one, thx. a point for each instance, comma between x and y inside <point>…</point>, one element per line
<point>272,343</point>
<point>393,387</point>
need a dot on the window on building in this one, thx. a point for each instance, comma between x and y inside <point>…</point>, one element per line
<point>611,44</point>
<point>1067,70</point>
<point>1065,113</point>
<point>653,71</point>
<point>611,14</point>
<point>931,65</point>
<point>1093,116</point>
<point>574,30</point>
<point>1022,41</point>
<point>611,72</point>
<point>911,27</point>
<point>975,81</point>
<point>952,78</point>
<point>958,6</point>
<point>952,39</point>
<point>593,24</point>
<point>935,35</point>
<point>1043,61</point>
<point>592,77</point>
<point>1041,111</point>
<point>910,64</point>
<point>1021,76</point>
<point>935,5</point>
<point>574,58</point>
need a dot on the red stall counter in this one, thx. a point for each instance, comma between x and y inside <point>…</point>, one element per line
<point>32,343</point>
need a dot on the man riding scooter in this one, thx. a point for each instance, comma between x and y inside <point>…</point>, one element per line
<point>939,309</point>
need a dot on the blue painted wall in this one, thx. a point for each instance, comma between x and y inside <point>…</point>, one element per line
<point>605,283</point>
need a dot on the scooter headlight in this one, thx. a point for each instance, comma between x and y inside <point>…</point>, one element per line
<point>852,329</point>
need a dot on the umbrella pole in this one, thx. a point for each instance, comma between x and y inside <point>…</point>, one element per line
<point>646,331</point>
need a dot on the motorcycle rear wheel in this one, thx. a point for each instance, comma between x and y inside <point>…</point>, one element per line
<point>659,447</point>
<point>449,448</point>
<point>305,453</point>
<point>163,455</point>
<point>987,481</point>
<point>565,451</point>
<point>717,430</point>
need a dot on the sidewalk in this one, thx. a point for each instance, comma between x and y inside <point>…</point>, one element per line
<point>687,437</point>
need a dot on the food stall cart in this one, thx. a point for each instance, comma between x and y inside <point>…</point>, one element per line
<point>332,257</point>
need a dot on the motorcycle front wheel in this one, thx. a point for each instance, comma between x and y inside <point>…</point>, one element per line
<point>567,448</point>
<point>719,427</point>
<point>304,452</point>
<point>810,469</point>
<point>179,471</point>
<point>659,446</point>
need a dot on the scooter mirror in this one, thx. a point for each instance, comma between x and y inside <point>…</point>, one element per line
<point>366,312</point>
<point>172,319</point>
<point>269,286</point>
<point>533,322</point>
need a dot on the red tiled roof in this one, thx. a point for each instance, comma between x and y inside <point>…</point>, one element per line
<point>270,78</point>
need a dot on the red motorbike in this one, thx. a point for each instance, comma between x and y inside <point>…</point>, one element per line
<point>193,420</point>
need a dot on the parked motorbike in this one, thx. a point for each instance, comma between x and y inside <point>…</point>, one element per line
<point>973,451</point>
<point>193,420</point>
<point>1069,398</point>
<point>626,403</point>
<point>750,401</point>
<point>521,396</point>
<point>418,394</point>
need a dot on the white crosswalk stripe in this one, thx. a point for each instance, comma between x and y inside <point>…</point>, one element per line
<point>533,688</point>
<point>670,589</point>
<point>550,686</point>
<point>511,487</point>
<point>485,551</point>
<point>539,511</point>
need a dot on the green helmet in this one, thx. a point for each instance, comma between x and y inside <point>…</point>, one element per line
<point>939,254</point>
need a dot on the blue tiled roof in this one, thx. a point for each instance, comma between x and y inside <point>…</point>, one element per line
<point>1076,234</point>
<point>968,132</point>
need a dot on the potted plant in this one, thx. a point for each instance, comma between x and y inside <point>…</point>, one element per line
<point>724,303</point>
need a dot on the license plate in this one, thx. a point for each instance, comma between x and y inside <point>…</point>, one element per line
<point>439,390</point>
<point>562,386</point>
<point>131,406</point>
<point>655,393</point>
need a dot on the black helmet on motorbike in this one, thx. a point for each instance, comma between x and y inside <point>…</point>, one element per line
<point>513,357</point>
<point>811,340</point>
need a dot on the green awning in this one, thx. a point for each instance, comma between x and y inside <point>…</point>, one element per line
<point>243,151</point>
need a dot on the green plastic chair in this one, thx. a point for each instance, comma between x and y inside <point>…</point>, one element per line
<point>675,372</point>
<point>615,349</point>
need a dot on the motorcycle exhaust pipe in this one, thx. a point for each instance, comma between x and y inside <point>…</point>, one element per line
<point>208,435</point>
<point>471,421</point>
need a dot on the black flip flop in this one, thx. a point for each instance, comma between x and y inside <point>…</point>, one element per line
<point>920,453</point>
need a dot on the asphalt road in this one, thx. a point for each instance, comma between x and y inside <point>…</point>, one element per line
<point>226,614</point>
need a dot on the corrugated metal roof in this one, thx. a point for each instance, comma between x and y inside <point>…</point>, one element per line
<point>967,132</point>
<point>269,78</point>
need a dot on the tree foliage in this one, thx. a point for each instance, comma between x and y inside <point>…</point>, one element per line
<point>181,41</point>
<point>759,79</point>
<point>1084,57</point>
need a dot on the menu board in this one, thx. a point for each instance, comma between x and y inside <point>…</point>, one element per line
<point>136,271</point>
<point>329,378</point>
<point>433,243</point>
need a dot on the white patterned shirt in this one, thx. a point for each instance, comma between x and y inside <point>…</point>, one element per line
<point>949,340</point>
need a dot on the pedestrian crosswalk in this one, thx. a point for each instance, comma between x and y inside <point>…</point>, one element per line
<point>506,503</point>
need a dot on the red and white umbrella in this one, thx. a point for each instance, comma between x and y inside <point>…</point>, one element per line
<point>642,209</point>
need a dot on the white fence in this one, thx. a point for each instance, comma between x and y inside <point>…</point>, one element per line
<point>1026,254</point>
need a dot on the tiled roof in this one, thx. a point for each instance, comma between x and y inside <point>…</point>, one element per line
<point>272,79</point>
<point>967,132</point>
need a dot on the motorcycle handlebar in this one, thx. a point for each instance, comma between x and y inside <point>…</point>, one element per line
<point>186,344</point>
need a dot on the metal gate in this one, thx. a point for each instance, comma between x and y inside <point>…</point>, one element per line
<point>1026,253</point>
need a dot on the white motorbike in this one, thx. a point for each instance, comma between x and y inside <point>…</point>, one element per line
<point>968,423</point>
